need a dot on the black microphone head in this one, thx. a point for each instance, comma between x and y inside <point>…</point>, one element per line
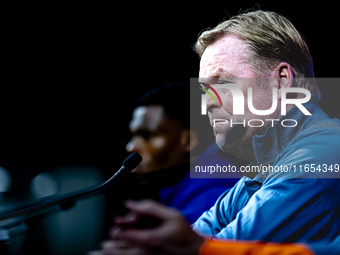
<point>132,161</point>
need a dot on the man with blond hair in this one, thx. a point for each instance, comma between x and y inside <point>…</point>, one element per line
<point>263,53</point>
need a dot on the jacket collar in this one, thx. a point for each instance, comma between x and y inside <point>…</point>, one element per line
<point>267,147</point>
<point>277,137</point>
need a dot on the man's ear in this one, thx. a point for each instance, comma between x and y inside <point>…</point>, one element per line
<point>285,75</point>
<point>189,140</point>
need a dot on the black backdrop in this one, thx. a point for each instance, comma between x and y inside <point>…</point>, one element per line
<point>72,72</point>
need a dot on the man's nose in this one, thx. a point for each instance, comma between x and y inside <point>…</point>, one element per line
<point>131,146</point>
<point>212,101</point>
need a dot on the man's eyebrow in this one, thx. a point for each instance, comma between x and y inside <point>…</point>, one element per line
<point>216,78</point>
<point>226,75</point>
<point>219,81</point>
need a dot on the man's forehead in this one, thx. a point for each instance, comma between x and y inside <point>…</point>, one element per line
<point>146,117</point>
<point>226,56</point>
<point>229,44</point>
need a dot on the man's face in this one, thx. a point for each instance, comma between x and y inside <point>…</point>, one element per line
<point>156,138</point>
<point>224,62</point>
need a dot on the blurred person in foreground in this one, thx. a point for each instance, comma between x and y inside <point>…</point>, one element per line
<point>161,134</point>
<point>263,51</point>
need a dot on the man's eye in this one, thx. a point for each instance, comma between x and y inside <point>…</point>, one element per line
<point>204,88</point>
<point>145,135</point>
<point>222,82</point>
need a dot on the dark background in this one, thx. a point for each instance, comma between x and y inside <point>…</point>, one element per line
<point>72,72</point>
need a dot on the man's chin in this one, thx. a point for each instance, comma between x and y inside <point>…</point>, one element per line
<point>134,170</point>
<point>221,140</point>
<point>138,170</point>
<point>230,141</point>
<point>143,170</point>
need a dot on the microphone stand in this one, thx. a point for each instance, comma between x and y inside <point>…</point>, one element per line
<point>63,201</point>
<point>129,163</point>
<point>24,225</point>
<point>58,203</point>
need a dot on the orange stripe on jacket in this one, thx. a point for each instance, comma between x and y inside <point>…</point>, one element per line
<point>215,247</point>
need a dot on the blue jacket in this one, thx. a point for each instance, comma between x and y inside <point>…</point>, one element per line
<point>326,248</point>
<point>301,202</point>
<point>193,196</point>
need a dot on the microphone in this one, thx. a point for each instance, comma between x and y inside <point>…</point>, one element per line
<point>67,201</point>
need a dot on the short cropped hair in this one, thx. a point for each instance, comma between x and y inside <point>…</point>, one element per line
<point>272,39</point>
<point>173,96</point>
